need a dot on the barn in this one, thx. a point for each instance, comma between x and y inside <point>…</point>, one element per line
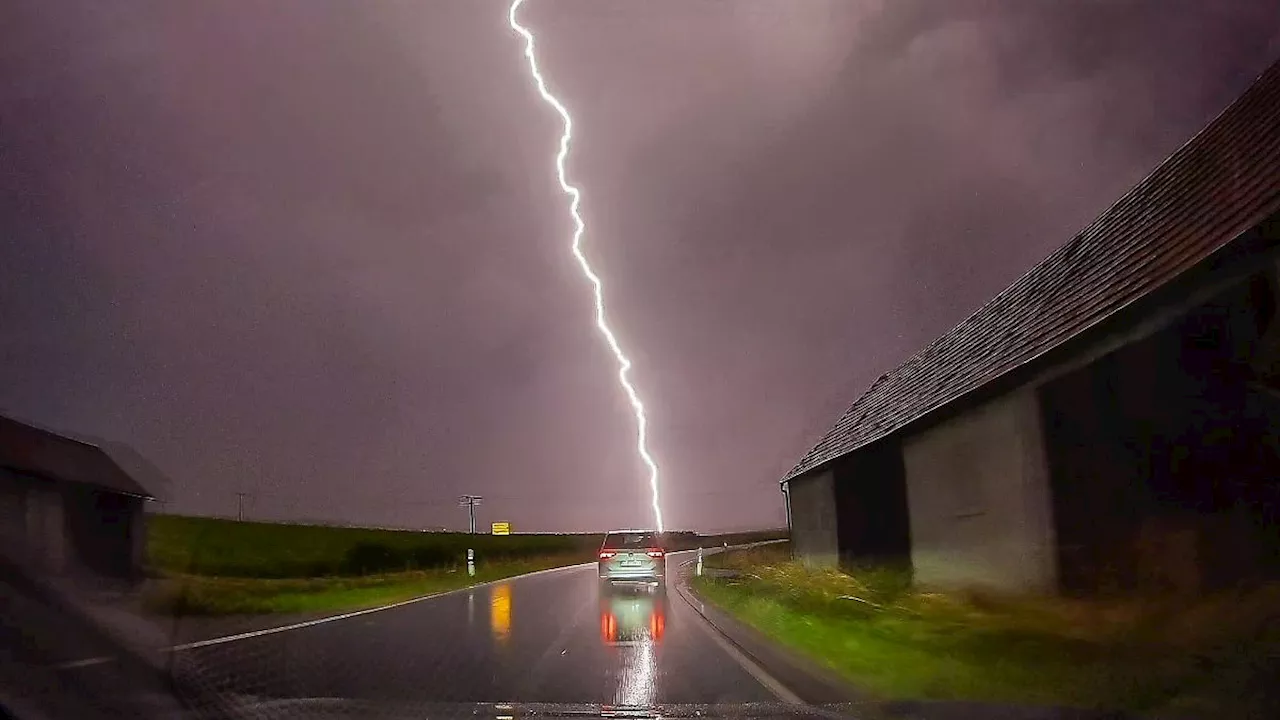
<point>1108,423</point>
<point>66,507</point>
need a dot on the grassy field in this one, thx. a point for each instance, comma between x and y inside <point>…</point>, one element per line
<point>225,548</point>
<point>209,566</point>
<point>1216,656</point>
<point>204,595</point>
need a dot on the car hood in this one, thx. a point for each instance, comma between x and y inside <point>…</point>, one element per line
<point>347,708</point>
<point>903,710</point>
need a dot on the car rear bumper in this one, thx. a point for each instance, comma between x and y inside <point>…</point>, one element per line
<point>636,574</point>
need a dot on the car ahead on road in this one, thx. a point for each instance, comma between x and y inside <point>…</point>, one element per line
<point>634,556</point>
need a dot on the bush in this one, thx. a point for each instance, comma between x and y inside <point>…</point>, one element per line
<point>426,557</point>
<point>366,558</point>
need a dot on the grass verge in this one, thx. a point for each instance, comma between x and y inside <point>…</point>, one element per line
<point>1217,656</point>
<point>203,595</point>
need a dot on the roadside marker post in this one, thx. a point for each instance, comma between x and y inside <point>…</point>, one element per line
<point>471,562</point>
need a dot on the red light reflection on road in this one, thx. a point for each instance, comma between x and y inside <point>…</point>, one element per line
<point>632,618</point>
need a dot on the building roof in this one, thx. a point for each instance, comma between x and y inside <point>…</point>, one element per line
<point>33,451</point>
<point>1216,187</point>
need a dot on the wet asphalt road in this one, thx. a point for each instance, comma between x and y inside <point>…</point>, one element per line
<point>553,637</point>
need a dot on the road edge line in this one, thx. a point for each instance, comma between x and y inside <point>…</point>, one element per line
<point>732,649</point>
<point>762,676</point>
<point>356,613</point>
<point>87,662</point>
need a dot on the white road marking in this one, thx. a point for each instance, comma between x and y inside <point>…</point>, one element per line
<point>750,666</point>
<point>367,611</point>
<point>762,676</point>
<point>357,613</point>
<point>753,668</point>
<point>87,662</point>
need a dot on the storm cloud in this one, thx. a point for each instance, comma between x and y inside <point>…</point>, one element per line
<point>314,251</point>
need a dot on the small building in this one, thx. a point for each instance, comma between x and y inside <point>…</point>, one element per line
<point>1108,423</point>
<point>66,506</point>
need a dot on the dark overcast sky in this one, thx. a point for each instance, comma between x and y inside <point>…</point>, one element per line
<point>314,251</point>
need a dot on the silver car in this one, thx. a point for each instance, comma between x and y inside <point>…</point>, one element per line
<point>633,556</point>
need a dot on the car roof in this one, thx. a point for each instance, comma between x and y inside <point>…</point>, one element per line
<point>607,535</point>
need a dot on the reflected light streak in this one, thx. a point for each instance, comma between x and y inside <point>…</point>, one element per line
<point>575,199</point>
<point>639,668</point>
<point>633,626</point>
<point>500,612</point>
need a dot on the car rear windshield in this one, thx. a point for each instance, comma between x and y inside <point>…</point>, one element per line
<point>630,540</point>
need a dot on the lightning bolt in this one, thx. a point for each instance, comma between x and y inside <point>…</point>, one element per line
<point>575,199</point>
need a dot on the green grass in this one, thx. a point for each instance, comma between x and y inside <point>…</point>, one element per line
<point>226,548</point>
<point>202,595</point>
<point>1212,656</point>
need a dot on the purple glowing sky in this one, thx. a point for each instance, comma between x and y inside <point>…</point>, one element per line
<point>314,250</point>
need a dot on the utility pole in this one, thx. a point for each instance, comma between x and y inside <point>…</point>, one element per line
<point>470,502</point>
<point>240,506</point>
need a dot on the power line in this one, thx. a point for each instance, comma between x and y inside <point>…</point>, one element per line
<point>470,502</point>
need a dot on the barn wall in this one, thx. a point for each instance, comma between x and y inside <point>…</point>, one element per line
<point>871,506</point>
<point>137,536</point>
<point>13,508</point>
<point>814,535</point>
<point>979,499</point>
<point>31,521</point>
<point>101,530</point>
<point>46,527</point>
<point>1164,454</point>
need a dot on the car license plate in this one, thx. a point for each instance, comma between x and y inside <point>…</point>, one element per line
<point>630,562</point>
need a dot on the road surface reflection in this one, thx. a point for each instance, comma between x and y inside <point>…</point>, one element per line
<point>500,612</point>
<point>633,623</point>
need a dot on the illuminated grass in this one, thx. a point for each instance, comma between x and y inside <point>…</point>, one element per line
<point>1216,656</point>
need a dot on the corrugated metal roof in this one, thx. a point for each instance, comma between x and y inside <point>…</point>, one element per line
<point>1221,184</point>
<point>34,451</point>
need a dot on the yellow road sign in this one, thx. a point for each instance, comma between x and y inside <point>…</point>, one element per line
<point>502,528</point>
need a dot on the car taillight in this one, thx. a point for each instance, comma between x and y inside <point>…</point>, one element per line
<point>606,554</point>
<point>655,553</point>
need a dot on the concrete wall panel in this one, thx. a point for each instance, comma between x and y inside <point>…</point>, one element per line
<point>978,492</point>
<point>814,536</point>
